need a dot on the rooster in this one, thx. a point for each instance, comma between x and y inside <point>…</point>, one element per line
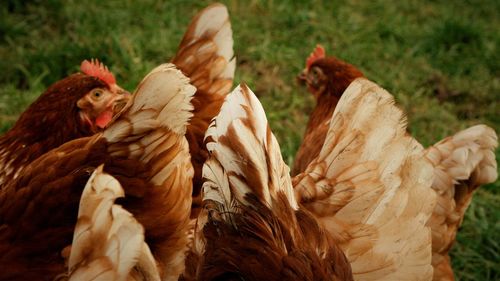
<point>144,148</point>
<point>205,55</point>
<point>461,162</point>
<point>252,227</point>
<point>74,107</point>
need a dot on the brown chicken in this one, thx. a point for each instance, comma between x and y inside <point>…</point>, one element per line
<point>74,107</point>
<point>108,242</point>
<point>251,227</point>
<point>461,163</point>
<point>205,55</point>
<point>145,149</point>
<point>326,78</point>
<point>369,187</point>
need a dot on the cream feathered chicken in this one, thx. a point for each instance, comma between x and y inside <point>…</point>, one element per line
<point>206,56</point>
<point>462,162</point>
<point>145,149</point>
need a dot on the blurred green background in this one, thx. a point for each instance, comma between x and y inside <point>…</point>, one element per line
<point>440,59</point>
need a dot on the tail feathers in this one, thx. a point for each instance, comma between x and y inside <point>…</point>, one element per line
<point>461,163</point>
<point>108,243</point>
<point>206,56</point>
<point>468,155</point>
<point>369,187</point>
<point>245,156</point>
<point>208,40</point>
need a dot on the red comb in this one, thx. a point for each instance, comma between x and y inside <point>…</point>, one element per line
<point>318,53</point>
<point>99,70</point>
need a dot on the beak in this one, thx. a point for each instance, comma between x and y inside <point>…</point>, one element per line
<point>302,77</point>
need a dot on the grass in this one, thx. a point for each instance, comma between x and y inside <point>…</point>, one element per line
<point>440,59</point>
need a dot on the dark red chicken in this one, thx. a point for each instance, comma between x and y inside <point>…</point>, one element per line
<point>77,106</point>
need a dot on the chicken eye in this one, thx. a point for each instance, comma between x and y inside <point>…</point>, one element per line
<point>97,94</point>
<point>314,76</point>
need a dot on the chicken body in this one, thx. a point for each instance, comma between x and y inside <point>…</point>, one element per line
<point>67,110</point>
<point>369,188</point>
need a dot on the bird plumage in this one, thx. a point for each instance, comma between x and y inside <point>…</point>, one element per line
<point>144,149</point>
<point>251,225</point>
<point>369,188</point>
<point>206,56</point>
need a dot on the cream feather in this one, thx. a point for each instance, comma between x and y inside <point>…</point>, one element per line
<point>108,243</point>
<point>461,163</point>
<point>244,155</point>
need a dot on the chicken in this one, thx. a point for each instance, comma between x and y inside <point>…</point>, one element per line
<point>205,55</point>
<point>108,243</point>
<point>461,163</point>
<point>369,188</point>
<point>144,148</point>
<point>76,106</point>
<point>252,227</point>
<point>326,78</point>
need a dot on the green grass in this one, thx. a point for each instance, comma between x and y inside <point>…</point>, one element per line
<point>441,60</point>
